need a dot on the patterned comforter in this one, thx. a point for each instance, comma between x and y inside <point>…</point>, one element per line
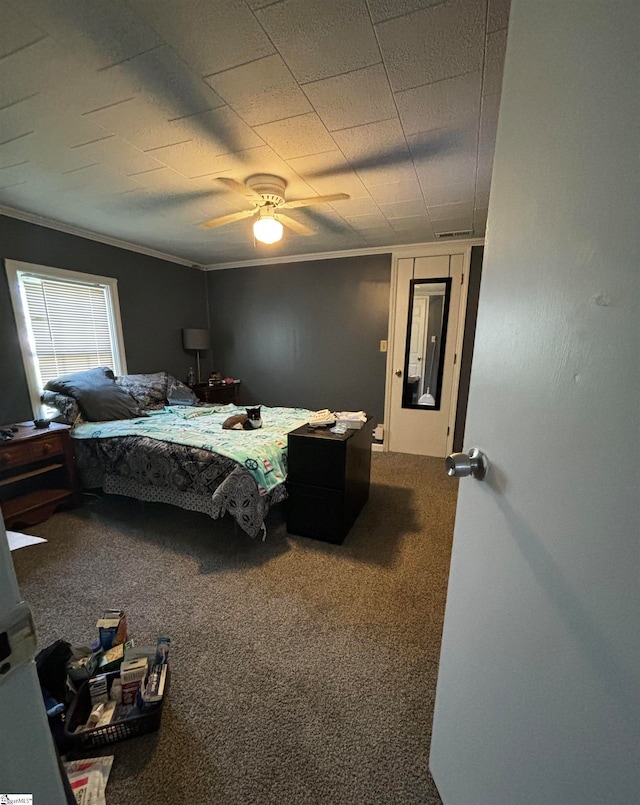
<point>183,457</point>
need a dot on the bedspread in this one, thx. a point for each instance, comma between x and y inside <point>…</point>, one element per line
<point>262,452</point>
<point>189,477</point>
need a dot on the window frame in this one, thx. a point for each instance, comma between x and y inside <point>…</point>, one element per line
<point>14,268</point>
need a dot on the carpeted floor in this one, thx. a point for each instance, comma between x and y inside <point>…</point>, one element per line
<point>303,673</point>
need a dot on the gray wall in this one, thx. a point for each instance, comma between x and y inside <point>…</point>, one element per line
<point>157,299</point>
<point>304,334</point>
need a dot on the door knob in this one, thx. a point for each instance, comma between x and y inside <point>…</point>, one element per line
<point>460,464</point>
<point>398,372</point>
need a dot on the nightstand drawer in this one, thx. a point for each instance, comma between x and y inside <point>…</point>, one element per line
<point>14,455</point>
<point>37,474</point>
<point>43,448</point>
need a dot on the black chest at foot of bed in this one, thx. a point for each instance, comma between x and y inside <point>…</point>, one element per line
<point>328,481</point>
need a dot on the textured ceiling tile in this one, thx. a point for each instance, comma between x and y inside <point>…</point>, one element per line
<point>388,9</point>
<point>140,122</point>
<point>483,178</point>
<point>321,39</point>
<point>403,209</point>
<point>480,220</point>
<point>387,174</point>
<point>27,71</point>
<point>452,193</point>
<point>445,104</point>
<point>453,162</point>
<point>16,32</point>
<point>296,136</point>
<point>356,207</point>
<point>353,99</point>
<point>163,181</point>
<point>212,35</point>
<point>165,79</point>
<point>329,173</point>
<point>369,141</point>
<point>375,221</point>
<point>450,170</point>
<point>193,159</point>
<point>378,152</point>
<point>95,32</point>
<point>48,146</point>
<point>226,128</point>
<point>446,212</point>
<point>489,123</point>
<point>454,224</point>
<point>440,42</point>
<point>118,154</point>
<point>374,238</point>
<point>494,63</point>
<point>19,173</point>
<point>97,180</point>
<point>383,230</point>
<point>395,192</point>
<point>262,91</point>
<point>498,14</point>
<point>18,119</point>
<point>418,227</point>
<point>256,4</point>
<point>46,69</point>
<point>15,151</point>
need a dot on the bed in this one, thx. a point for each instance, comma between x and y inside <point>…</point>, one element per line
<point>160,444</point>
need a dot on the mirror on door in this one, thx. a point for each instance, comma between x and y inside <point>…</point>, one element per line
<point>425,345</point>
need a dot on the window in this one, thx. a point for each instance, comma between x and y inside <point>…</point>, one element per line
<point>67,322</point>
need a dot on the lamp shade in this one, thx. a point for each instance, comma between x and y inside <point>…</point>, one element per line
<point>195,339</point>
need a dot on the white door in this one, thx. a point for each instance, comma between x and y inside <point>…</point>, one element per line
<point>417,427</point>
<point>538,695</point>
<point>28,764</point>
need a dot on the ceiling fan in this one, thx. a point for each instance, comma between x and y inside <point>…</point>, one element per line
<point>266,193</point>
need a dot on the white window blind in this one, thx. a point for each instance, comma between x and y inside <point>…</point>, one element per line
<point>70,323</point>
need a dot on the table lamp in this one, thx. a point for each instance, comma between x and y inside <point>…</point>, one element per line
<point>196,340</point>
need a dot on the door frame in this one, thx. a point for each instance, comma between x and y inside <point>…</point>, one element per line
<point>429,250</point>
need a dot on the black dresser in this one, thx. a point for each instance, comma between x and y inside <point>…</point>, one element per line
<point>328,480</point>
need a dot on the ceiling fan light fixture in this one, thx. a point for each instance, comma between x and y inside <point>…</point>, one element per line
<point>267,229</point>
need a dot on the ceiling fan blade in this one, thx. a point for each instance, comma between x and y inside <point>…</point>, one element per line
<point>296,226</point>
<point>227,219</point>
<point>242,190</point>
<point>307,202</point>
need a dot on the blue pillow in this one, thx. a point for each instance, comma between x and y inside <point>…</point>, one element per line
<point>99,397</point>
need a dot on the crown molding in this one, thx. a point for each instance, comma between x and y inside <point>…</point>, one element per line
<point>69,229</point>
<point>431,247</point>
<point>408,249</point>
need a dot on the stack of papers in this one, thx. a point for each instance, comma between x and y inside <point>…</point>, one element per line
<point>351,419</point>
<point>322,418</point>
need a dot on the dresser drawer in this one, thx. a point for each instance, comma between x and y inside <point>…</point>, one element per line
<point>14,455</point>
<point>44,448</point>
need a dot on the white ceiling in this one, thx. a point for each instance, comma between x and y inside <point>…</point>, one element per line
<point>116,117</point>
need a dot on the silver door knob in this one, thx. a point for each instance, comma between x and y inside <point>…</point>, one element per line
<point>460,464</point>
<point>398,372</point>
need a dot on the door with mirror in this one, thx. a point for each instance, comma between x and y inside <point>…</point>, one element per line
<point>424,354</point>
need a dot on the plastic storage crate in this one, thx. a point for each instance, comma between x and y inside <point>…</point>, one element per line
<point>139,724</point>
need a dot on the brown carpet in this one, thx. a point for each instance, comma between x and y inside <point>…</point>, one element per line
<point>303,673</point>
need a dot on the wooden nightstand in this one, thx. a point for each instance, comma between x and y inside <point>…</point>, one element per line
<point>218,395</point>
<point>37,474</point>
